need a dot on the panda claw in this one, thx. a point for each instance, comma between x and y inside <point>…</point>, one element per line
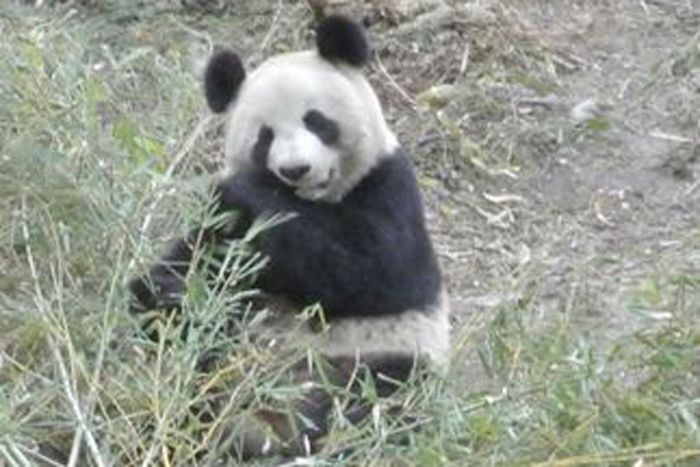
<point>155,292</point>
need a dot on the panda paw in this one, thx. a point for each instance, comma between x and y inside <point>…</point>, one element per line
<point>157,290</point>
<point>252,191</point>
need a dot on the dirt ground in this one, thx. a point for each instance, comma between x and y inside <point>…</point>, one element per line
<point>598,212</point>
<point>559,152</point>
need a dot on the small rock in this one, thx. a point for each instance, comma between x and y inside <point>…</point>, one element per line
<point>438,96</point>
<point>586,110</point>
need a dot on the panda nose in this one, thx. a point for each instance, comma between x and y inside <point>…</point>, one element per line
<point>294,173</point>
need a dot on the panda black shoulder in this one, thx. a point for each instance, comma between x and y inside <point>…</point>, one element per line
<point>391,180</point>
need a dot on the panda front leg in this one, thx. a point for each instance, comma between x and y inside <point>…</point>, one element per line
<point>163,287</point>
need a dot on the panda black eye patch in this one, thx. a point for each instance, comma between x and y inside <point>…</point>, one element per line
<point>325,128</point>
<point>262,146</point>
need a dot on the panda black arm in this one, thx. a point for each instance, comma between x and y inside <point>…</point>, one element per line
<point>163,286</point>
<point>368,255</point>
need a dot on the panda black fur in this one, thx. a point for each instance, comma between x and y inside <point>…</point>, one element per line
<point>306,135</point>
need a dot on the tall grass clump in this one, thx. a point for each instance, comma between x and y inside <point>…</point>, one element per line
<point>95,115</point>
<point>102,130</point>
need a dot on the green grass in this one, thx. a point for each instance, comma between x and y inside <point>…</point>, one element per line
<point>102,134</point>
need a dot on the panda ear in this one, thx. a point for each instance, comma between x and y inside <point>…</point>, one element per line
<point>222,79</point>
<point>338,38</point>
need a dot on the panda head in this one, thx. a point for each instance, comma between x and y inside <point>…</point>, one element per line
<point>311,118</point>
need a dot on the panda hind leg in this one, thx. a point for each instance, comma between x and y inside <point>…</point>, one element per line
<point>309,421</point>
<point>290,432</point>
<point>300,428</point>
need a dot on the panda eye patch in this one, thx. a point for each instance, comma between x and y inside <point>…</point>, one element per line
<point>325,128</point>
<point>262,146</point>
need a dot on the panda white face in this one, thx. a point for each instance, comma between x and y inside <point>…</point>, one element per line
<point>305,158</point>
<point>316,125</point>
<point>311,118</point>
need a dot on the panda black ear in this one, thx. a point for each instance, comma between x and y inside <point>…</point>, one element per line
<point>338,38</point>
<point>222,79</point>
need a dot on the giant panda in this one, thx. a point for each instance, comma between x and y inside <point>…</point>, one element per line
<point>305,134</point>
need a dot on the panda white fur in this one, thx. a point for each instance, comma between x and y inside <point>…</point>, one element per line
<point>306,134</point>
